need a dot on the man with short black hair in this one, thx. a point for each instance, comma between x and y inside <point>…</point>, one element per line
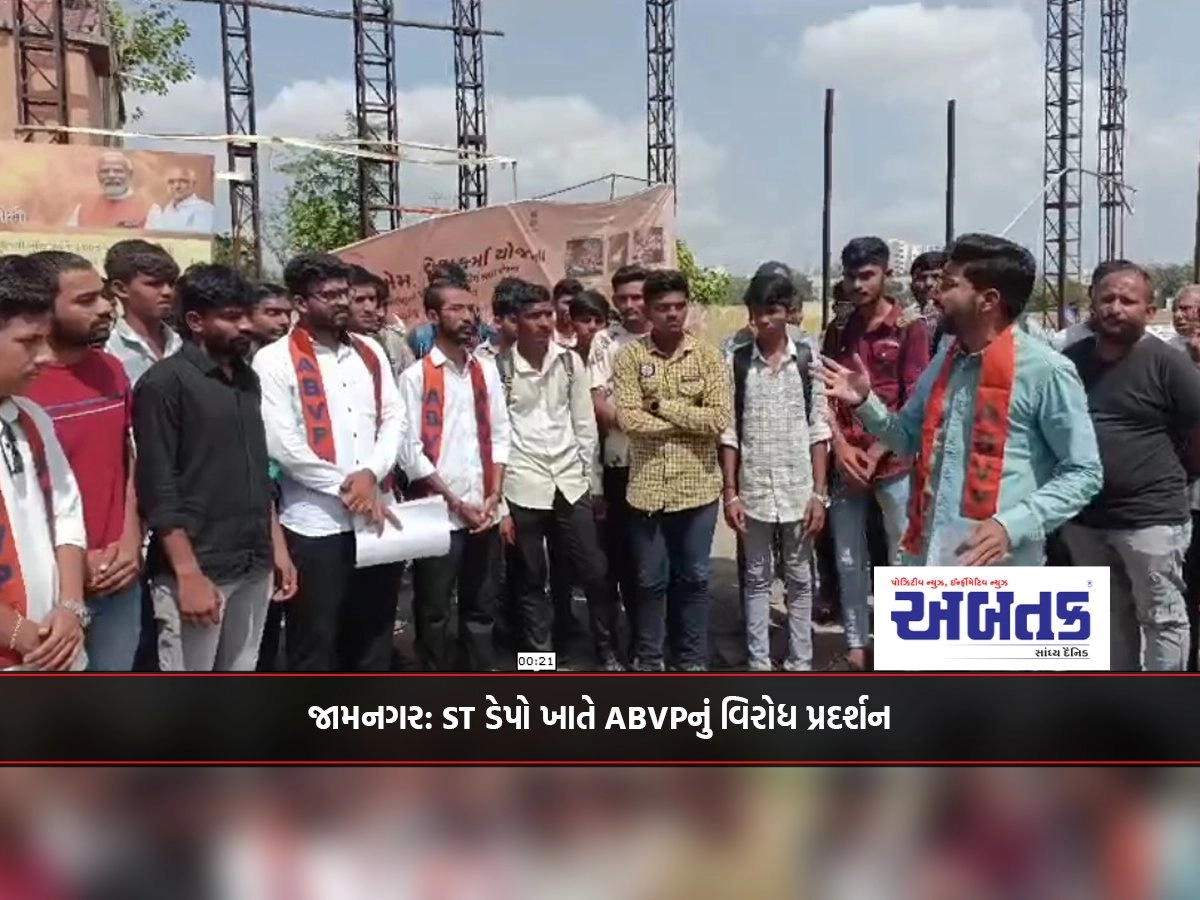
<point>925,274</point>
<point>271,317</point>
<point>564,330</point>
<point>504,318</point>
<point>895,350</point>
<point>589,316</point>
<point>628,284</point>
<point>457,432</point>
<point>43,563</point>
<point>1144,401</point>
<point>1004,449</point>
<point>773,458</point>
<point>673,401</point>
<point>553,473</point>
<point>334,427</point>
<point>140,276</point>
<point>217,553</point>
<point>87,395</point>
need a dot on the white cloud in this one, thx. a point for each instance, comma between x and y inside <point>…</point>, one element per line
<point>909,59</point>
<point>558,140</point>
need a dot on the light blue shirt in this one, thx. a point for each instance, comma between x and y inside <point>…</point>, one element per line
<point>1051,462</point>
<point>135,354</point>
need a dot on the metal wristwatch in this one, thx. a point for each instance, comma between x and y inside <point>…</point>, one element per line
<point>822,499</point>
<point>79,610</point>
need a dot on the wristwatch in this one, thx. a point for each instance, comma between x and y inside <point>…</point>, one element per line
<point>822,499</point>
<point>79,610</point>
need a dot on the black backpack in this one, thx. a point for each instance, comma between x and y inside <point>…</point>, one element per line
<point>741,368</point>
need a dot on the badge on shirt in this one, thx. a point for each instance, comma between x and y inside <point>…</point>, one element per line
<point>647,370</point>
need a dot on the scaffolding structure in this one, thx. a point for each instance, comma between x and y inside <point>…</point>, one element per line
<point>43,93</point>
<point>470,112</point>
<point>660,92</point>
<point>237,69</point>
<point>1114,25</point>
<point>375,117</point>
<point>1063,169</point>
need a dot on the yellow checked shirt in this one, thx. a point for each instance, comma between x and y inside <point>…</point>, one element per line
<point>673,453</point>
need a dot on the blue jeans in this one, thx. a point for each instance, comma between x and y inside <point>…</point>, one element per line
<point>673,552</point>
<point>116,628</point>
<point>848,523</point>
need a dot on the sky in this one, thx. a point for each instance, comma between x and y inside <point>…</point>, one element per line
<point>566,97</point>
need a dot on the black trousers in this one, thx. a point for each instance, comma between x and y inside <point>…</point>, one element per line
<point>269,659</point>
<point>573,526</point>
<point>146,657</point>
<point>472,571</point>
<point>342,618</point>
<point>617,530</point>
<point>1191,575</point>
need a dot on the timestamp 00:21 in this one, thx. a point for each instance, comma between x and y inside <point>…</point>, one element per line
<point>537,662</point>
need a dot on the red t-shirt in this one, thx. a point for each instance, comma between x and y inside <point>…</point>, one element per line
<point>91,406</point>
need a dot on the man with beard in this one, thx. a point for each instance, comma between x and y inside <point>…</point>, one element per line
<point>1005,451</point>
<point>629,301</point>
<point>43,563</point>
<point>895,351</point>
<point>564,329</point>
<point>334,426</point>
<point>118,205</point>
<point>203,486</point>
<point>457,447</point>
<point>1144,400</point>
<point>926,274</point>
<point>87,395</point>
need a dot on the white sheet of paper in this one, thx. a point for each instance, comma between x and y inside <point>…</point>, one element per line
<point>424,532</point>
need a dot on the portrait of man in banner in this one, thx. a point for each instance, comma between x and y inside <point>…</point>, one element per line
<point>184,211</point>
<point>116,202</point>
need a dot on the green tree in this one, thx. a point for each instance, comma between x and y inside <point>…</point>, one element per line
<point>240,258</point>
<point>710,287</point>
<point>148,39</point>
<point>738,284</point>
<point>1168,279</point>
<point>318,210</point>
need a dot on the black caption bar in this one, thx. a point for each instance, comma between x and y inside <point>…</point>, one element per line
<point>599,718</point>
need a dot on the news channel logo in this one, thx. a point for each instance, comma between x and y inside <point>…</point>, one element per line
<point>1009,619</point>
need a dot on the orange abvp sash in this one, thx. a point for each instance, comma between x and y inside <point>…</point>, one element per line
<point>989,434</point>
<point>12,581</point>
<point>313,406</point>
<point>433,403</point>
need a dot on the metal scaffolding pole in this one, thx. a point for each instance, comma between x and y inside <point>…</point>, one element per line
<point>660,92</point>
<point>1114,24</point>
<point>375,116</point>
<point>238,71</point>
<point>471,114</point>
<point>43,95</point>
<point>1063,169</point>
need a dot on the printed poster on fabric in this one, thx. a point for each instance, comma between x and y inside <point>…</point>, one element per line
<point>538,240</point>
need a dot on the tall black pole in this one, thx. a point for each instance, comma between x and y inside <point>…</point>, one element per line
<point>951,165</point>
<point>1196,249</point>
<point>826,209</point>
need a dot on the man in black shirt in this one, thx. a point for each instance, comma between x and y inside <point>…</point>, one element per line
<point>203,484</point>
<point>1144,400</point>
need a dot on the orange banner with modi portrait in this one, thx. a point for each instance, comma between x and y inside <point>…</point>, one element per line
<point>85,198</point>
<point>537,240</point>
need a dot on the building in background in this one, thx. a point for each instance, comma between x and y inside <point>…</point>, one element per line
<point>94,99</point>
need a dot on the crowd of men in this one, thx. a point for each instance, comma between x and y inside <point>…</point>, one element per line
<point>188,457</point>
